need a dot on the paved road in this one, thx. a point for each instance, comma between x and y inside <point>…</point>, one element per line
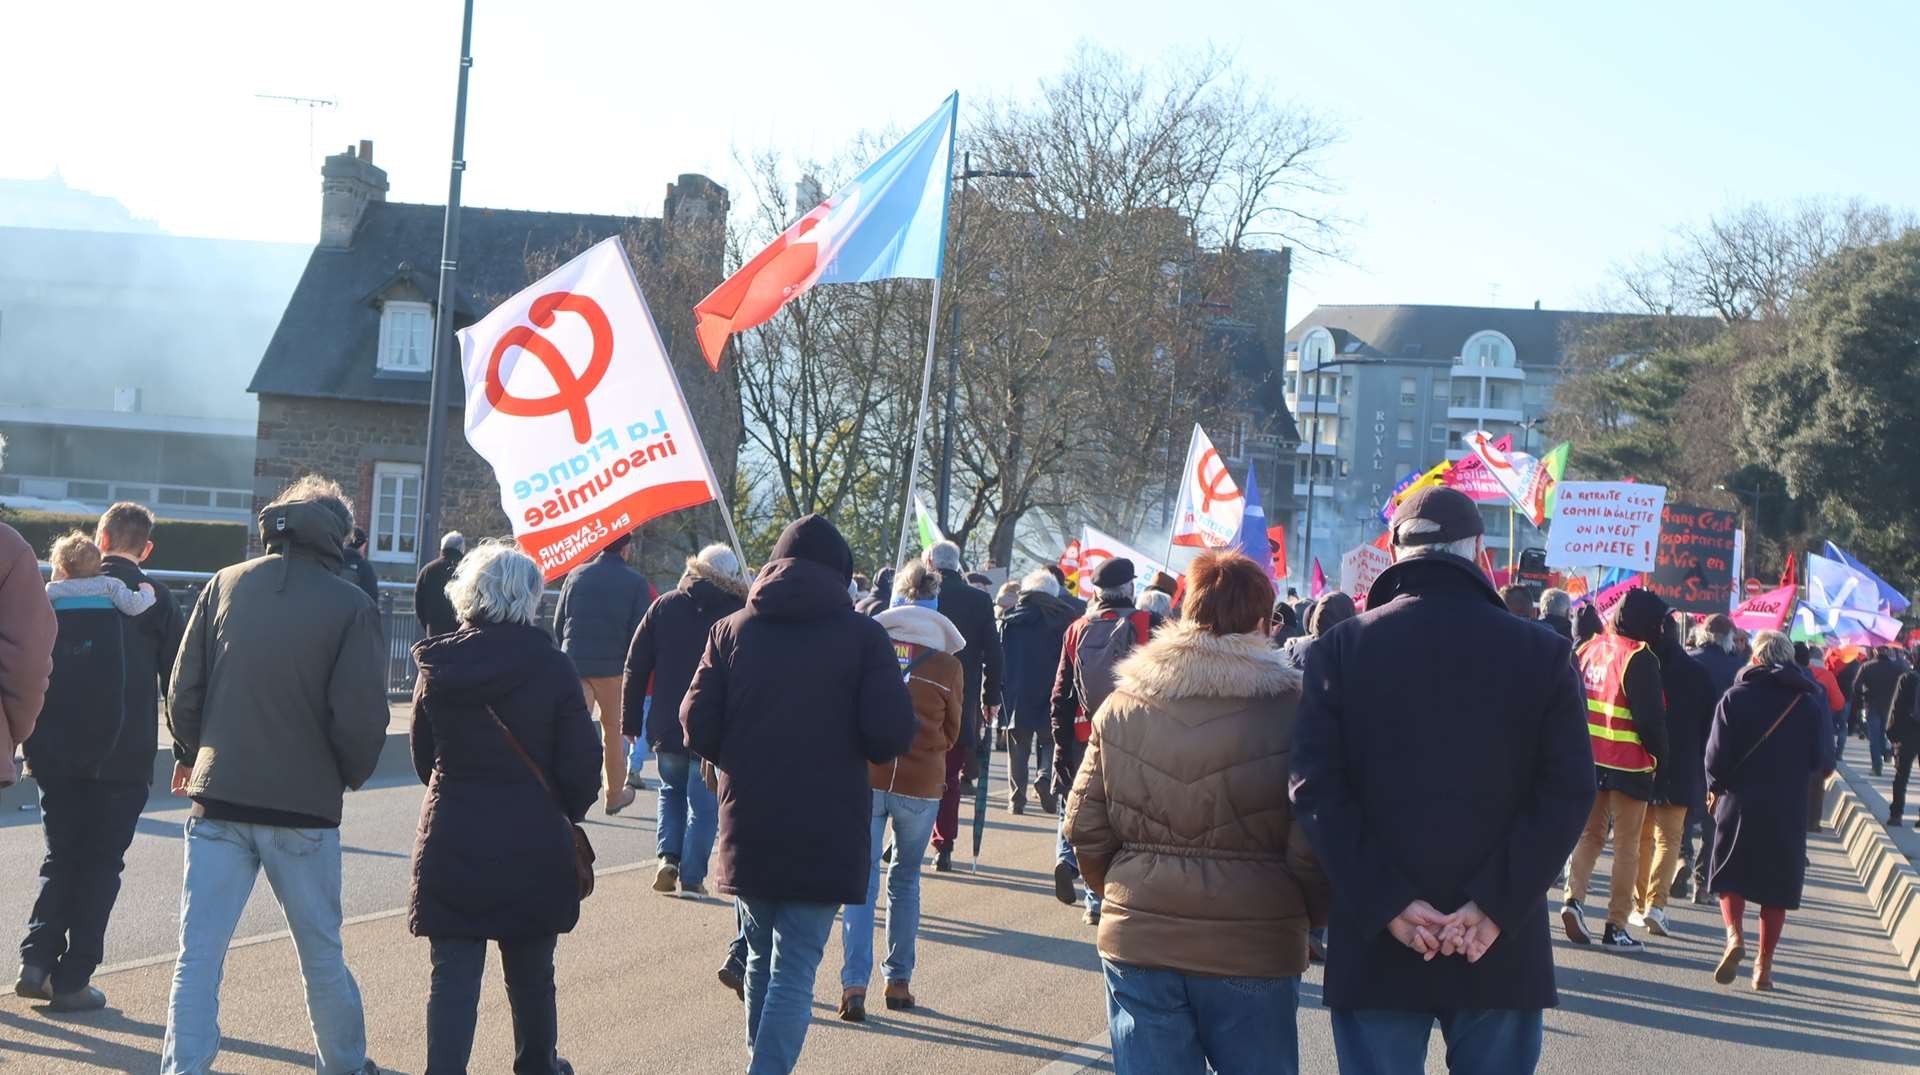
<point>1008,977</point>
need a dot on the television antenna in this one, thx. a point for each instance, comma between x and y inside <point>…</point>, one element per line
<point>312,104</point>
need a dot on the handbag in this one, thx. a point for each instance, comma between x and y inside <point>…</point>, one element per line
<point>582,847</point>
<point>1764,736</point>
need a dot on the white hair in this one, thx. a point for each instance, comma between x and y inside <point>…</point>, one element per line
<point>496,583</point>
<point>721,558</point>
<point>1041,581</point>
<point>1554,602</point>
<point>453,539</point>
<point>1112,594</point>
<point>1466,548</point>
<point>1772,647</point>
<point>1159,602</point>
<point>943,556</point>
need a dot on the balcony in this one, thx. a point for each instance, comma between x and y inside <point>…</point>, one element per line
<point>1313,405</point>
<point>1476,413</point>
<point>1321,490</point>
<point>1495,373</point>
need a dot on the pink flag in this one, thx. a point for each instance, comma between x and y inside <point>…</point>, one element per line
<point>1765,612</point>
<point>1317,582</point>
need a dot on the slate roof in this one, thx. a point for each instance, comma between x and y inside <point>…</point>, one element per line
<point>1437,333</point>
<point>327,339</point>
<point>1259,369</point>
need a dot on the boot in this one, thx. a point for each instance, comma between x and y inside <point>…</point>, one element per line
<point>899,997</point>
<point>1730,958</point>
<point>853,1005</point>
<point>1763,973</point>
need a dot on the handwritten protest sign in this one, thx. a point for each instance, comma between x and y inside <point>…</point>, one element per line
<point>1358,568</point>
<point>1694,569</point>
<point>1606,524</point>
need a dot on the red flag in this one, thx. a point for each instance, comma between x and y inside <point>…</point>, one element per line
<point>1790,576</point>
<point>1384,542</point>
<point>1277,540</point>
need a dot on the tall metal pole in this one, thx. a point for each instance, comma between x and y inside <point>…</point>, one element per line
<point>433,473</point>
<point>953,351</point>
<point>1313,460</point>
<point>919,430</point>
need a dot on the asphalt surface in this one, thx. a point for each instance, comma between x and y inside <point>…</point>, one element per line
<point>1008,979</point>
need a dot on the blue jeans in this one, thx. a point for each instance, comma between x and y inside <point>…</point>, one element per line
<point>1839,734</point>
<point>1876,739</point>
<point>1168,1023</point>
<point>785,940</point>
<point>303,867</point>
<point>1064,853</point>
<point>688,816</point>
<point>912,827</point>
<point>1479,1041</point>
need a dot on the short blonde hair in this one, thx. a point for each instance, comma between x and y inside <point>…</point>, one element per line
<point>74,556</point>
<point>916,582</point>
<point>496,583</point>
<point>1772,647</point>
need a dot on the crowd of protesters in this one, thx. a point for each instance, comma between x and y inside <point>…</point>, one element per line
<point>1238,783</point>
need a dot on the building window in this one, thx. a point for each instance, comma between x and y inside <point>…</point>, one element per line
<point>1316,348</point>
<point>1406,433</point>
<point>1437,434</point>
<point>1409,392</point>
<point>1503,395</point>
<point>1439,389</point>
<point>1488,349</point>
<point>396,511</point>
<point>1456,440</point>
<point>406,337</point>
<point>1466,393</point>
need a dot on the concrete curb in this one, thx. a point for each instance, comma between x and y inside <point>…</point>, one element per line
<point>1892,883</point>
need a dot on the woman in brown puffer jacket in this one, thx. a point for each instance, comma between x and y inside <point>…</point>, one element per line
<point>1180,815</point>
<point>906,790</point>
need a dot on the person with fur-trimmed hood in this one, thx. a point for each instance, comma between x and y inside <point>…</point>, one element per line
<point>661,659</point>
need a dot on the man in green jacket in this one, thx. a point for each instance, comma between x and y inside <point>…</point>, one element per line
<point>279,705</point>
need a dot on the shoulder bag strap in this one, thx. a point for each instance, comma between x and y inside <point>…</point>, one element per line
<point>1764,736</point>
<point>532,765</point>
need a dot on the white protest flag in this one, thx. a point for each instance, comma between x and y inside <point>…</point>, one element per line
<point>572,400</point>
<point>1098,546</point>
<point>1606,524</point>
<point>1211,505</point>
<point>1514,471</point>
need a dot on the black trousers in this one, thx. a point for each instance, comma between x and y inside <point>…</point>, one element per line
<point>453,1003</point>
<point>1902,769</point>
<point>88,825</point>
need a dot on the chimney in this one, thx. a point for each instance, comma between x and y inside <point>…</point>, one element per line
<point>1536,304</point>
<point>348,181</point>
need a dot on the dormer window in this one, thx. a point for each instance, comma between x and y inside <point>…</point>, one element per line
<point>406,337</point>
<point>1489,350</point>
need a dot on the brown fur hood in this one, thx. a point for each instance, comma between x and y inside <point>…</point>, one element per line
<point>1186,661</point>
<point>700,570</point>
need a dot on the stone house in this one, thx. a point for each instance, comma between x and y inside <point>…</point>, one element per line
<point>343,384</point>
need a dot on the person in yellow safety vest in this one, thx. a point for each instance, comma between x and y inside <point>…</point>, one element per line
<point>1627,722</point>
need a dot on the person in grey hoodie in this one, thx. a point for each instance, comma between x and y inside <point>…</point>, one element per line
<point>278,706</point>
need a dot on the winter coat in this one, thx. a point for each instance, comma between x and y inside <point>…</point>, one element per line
<point>493,857</point>
<point>795,696</point>
<point>27,629</point>
<point>1872,692</point>
<point>1641,616</point>
<point>1064,706</point>
<point>1903,717</point>
<point>279,695</point>
<point>666,649</point>
<point>1180,816</point>
<point>601,603</point>
<point>1560,625</point>
<point>973,612</point>
<point>1438,659</point>
<point>1722,668</point>
<point>152,641</point>
<point>1760,804</point>
<point>430,604</point>
<point>1834,698</point>
<point>880,597</point>
<point>80,723</point>
<point>1690,700</point>
<point>1031,636</point>
<point>935,685</point>
<point>359,572</point>
<point>1327,613</point>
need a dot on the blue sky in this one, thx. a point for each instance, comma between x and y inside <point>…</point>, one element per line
<point>1496,152</point>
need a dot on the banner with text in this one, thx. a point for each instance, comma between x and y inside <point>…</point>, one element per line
<point>1765,612</point>
<point>1694,564</point>
<point>572,400</point>
<point>1606,524</point>
<point>1358,568</point>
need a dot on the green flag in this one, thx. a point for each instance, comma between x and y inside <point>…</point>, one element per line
<point>1554,463</point>
<point>929,530</point>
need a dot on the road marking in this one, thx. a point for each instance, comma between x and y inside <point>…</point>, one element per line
<point>1079,1058</point>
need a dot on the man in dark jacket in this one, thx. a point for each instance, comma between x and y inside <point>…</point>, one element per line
<point>876,600</point>
<point>1031,636</point>
<point>1323,615</point>
<point>1440,861</point>
<point>601,603</point>
<point>665,651</point>
<point>279,704</point>
<point>1903,732</point>
<point>1554,612</point>
<point>1717,658</point>
<point>795,695</point>
<point>358,570</point>
<point>971,610</point>
<point>430,604</point>
<point>1871,697</point>
<point>1678,786</point>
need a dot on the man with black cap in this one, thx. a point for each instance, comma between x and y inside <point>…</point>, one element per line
<point>1093,645</point>
<point>794,696</point>
<point>1442,772</point>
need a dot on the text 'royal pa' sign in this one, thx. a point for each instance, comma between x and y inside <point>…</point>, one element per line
<point>573,401</point>
<point>1606,524</point>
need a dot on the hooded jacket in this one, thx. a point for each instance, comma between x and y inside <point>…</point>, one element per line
<point>1641,616</point>
<point>279,698</point>
<point>1690,699</point>
<point>1327,613</point>
<point>27,628</point>
<point>666,649</point>
<point>1180,813</point>
<point>1031,637</point>
<point>795,696</point>
<point>493,856</point>
<point>973,612</point>
<point>935,684</point>
<point>430,604</point>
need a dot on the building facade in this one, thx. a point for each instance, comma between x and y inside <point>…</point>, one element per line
<point>1383,391</point>
<point>343,384</point>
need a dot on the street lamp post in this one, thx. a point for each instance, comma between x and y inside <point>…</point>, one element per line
<point>967,172</point>
<point>1313,450</point>
<point>1756,494</point>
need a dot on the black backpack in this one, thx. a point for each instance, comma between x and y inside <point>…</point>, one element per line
<point>1102,646</point>
<point>86,696</point>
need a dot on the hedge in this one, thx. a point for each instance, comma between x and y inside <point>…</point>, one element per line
<point>178,544</point>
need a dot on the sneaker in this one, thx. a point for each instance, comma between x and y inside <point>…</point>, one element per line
<point>666,876</point>
<point>1063,875</point>
<point>1655,922</point>
<point>734,977</point>
<point>33,983</point>
<point>84,999</point>
<point>1682,887</point>
<point>1617,939</point>
<point>943,862</point>
<point>694,889</point>
<point>1091,917</point>
<point>1574,920</point>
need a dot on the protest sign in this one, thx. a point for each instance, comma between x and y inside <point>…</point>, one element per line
<point>1358,568</point>
<point>1606,524</point>
<point>1694,569</point>
<point>571,399</point>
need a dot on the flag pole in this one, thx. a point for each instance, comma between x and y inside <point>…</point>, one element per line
<point>919,428</point>
<point>1510,543</point>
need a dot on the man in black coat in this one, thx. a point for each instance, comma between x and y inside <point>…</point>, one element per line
<point>1031,635</point>
<point>359,571</point>
<point>1870,698</point>
<point>971,610</point>
<point>1442,772</point>
<point>1716,657</point>
<point>795,695</point>
<point>1677,787</point>
<point>430,604</point>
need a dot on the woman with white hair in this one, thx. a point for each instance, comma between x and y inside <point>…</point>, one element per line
<point>1769,738</point>
<point>511,760</point>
